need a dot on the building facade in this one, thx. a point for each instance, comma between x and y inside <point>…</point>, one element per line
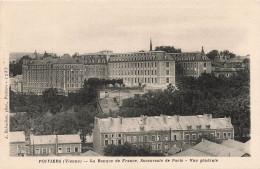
<point>17,143</point>
<point>191,63</point>
<point>152,68</point>
<point>55,145</point>
<point>159,133</point>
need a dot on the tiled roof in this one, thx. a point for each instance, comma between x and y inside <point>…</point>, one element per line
<point>73,138</point>
<point>51,139</point>
<point>217,149</point>
<point>140,56</point>
<point>193,153</point>
<point>43,139</point>
<point>93,58</point>
<point>189,56</point>
<point>17,136</point>
<point>236,145</point>
<point>163,122</point>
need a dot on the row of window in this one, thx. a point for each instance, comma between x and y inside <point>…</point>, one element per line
<point>194,136</point>
<point>134,65</point>
<point>46,151</point>
<point>134,72</point>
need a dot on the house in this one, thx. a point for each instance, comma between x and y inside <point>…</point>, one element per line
<point>55,144</point>
<point>236,145</point>
<point>209,148</point>
<point>159,133</point>
<point>17,143</point>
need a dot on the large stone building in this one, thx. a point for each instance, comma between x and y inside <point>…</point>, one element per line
<point>191,63</point>
<point>65,74</point>
<point>159,133</point>
<point>152,68</point>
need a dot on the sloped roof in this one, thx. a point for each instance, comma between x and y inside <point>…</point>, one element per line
<point>163,122</point>
<point>174,150</point>
<point>224,69</point>
<point>66,59</point>
<point>93,58</point>
<point>193,153</point>
<point>189,56</point>
<point>137,124</point>
<point>217,149</point>
<point>236,145</point>
<point>17,136</point>
<point>51,139</point>
<point>43,139</point>
<point>72,138</point>
<point>140,56</point>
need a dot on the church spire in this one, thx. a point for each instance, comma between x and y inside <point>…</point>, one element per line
<point>151,45</point>
<point>202,50</point>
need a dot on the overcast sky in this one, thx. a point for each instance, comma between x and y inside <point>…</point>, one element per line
<point>69,27</point>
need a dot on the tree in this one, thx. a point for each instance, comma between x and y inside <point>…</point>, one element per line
<point>212,55</point>
<point>52,100</point>
<point>16,69</point>
<point>227,53</point>
<point>120,81</point>
<point>167,49</point>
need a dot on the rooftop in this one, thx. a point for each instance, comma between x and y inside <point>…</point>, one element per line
<point>17,136</point>
<point>163,122</point>
<point>236,145</point>
<point>51,139</point>
<point>218,150</point>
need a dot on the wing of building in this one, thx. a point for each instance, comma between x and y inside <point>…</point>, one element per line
<point>159,133</point>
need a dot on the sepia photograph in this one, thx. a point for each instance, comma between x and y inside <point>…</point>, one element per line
<point>157,79</point>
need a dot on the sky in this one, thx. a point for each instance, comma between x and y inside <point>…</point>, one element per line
<point>126,26</point>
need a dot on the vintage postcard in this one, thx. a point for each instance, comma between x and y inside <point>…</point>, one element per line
<point>130,84</point>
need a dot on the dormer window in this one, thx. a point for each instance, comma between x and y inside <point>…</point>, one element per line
<point>208,126</point>
<point>199,127</point>
<point>189,127</point>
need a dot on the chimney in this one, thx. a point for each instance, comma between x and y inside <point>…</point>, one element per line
<point>120,119</point>
<point>151,45</point>
<point>177,118</point>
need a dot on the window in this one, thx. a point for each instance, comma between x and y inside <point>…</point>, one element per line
<point>205,71</point>
<point>106,136</point>
<point>193,136</point>
<point>205,64</point>
<point>158,138</point>
<point>167,64</point>
<point>166,146</point>
<point>134,145</point>
<point>76,149</point>
<point>141,138</point>
<point>193,143</point>
<point>189,127</point>
<point>129,139</point>
<point>134,139</point>
<point>229,135</point>
<point>199,135</point>
<point>119,135</point>
<point>106,142</point>
<point>119,142</point>
<point>44,151</point>
<point>167,72</point>
<point>166,137</point>
<point>218,134</point>
<point>167,80</point>
<point>37,151</point>
<point>153,147</point>
<point>153,138</point>
<point>159,146</point>
<point>208,126</point>
<point>199,127</point>
<point>224,135</point>
<point>68,150</point>
<point>145,138</point>
<point>59,150</point>
<point>174,137</point>
<point>140,146</point>
<point>112,142</point>
<point>187,137</point>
